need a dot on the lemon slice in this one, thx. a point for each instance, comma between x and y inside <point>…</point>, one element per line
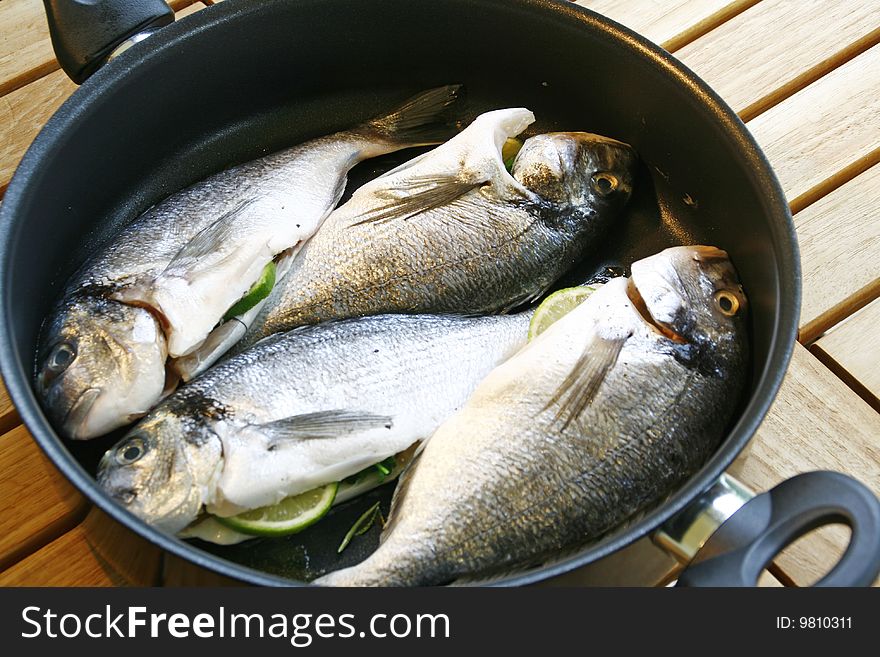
<point>557,305</point>
<point>509,151</point>
<point>289,516</point>
<point>259,291</point>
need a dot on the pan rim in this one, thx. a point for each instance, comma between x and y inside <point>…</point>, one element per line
<point>766,382</point>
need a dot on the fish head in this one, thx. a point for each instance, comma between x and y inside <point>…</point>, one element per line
<point>580,171</point>
<point>101,365</point>
<point>161,469</point>
<point>693,297</point>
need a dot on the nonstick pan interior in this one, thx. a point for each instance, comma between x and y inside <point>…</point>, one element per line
<point>240,80</point>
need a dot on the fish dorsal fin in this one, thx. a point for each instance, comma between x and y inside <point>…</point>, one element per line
<point>208,240</point>
<point>322,424</point>
<point>579,388</point>
<point>415,196</point>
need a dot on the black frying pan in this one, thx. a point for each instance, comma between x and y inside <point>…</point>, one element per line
<point>239,79</point>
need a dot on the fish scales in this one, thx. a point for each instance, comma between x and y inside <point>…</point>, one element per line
<point>372,361</point>
<point>454,268</point>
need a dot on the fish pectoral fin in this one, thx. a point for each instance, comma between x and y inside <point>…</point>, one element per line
<point>322,424</point>
<point>416,196</point>
<point>208,240</point>
<point>581,385</point>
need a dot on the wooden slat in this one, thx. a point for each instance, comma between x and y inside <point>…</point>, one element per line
<point>767,579</point>
<point>25,47</point>
<point>74,560</point>
<point>827,133</point>
<point>8,415</point>
<point>124,555</point>
<point>97,552</point>
<point>852,351</point>
<point>816,423</point>
<point>81,566</point>
<point>839,238</point>
<point>24,112</point>
<point>670,23</point>
<point>639,564</point>
<point>753,72</point>
<point>37,503</point>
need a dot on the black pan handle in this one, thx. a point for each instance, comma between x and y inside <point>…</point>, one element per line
<point>742,547</point>
<point>85,32</point>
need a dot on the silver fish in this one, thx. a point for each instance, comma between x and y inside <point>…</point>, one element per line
<point>160,287</point>
<point>453,231</point>
<point>300,410</point>
<point>602,415</point>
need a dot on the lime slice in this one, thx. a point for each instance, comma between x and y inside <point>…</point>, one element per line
<point>509,151</point>
<point>289,516</point>
<point>557,305</point>
<point>259,291</point>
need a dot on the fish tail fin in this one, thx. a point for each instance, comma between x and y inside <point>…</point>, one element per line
<point>421,120</point>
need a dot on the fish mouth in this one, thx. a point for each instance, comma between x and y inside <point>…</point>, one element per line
<point>125,496</point>
<point>641,308</point>
<point>122,492</point>
<point>76,417</point>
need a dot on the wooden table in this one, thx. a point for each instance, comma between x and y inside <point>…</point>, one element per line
<point>805,77</point>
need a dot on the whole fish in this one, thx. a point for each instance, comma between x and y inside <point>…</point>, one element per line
<point>300,410</point>
<point>601,416</point>
<point>453,231</point>
<point>161,286</point>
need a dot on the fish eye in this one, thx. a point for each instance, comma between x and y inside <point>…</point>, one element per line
<point>131,451</point>
<point>61,358</point>
<point>727,303</point>
<point>604,183</point>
